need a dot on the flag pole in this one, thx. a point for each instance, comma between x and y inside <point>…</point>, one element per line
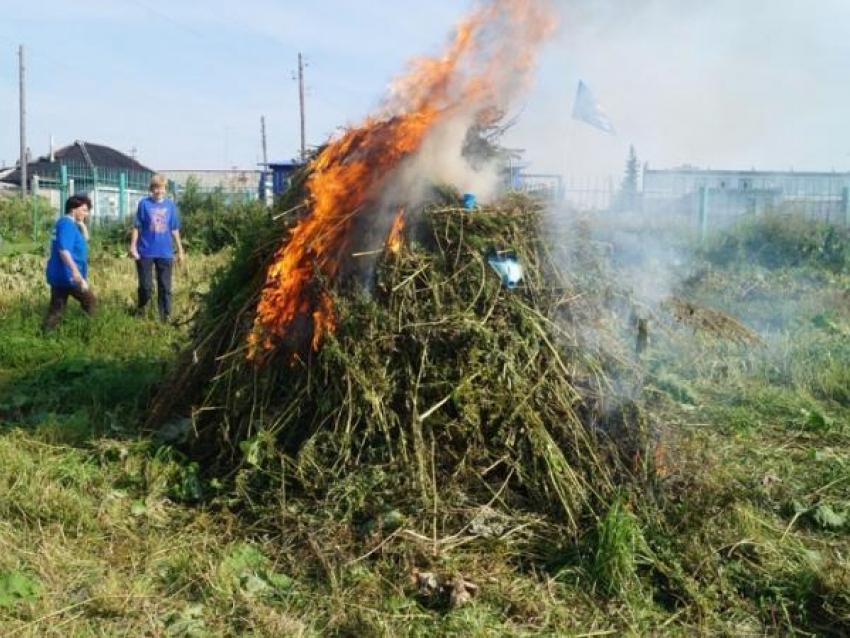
<point>568,150</point>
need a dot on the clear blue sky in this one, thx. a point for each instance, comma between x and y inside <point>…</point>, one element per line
<point>735,83</point>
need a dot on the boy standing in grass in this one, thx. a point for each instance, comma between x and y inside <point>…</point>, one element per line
<point>157,225</point>
<point>67,268</point>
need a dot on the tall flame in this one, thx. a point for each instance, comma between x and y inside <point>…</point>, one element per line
<point>394,239</point>
<point>489,59</point>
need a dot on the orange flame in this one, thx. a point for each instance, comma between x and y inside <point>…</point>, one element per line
<point>490,57</point>
<point>395,239</point>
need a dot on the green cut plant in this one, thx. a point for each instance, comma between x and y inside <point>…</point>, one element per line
<point>619,542</point>
<point>16,587</point>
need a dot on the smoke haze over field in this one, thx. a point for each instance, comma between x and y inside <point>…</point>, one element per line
<point>728,83</point>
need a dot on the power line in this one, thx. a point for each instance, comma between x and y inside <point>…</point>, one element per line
<point>231,20</point>
<point>220,45</point>
<point>46,58</point>
<point>168,18</point>
<point>79,71</point>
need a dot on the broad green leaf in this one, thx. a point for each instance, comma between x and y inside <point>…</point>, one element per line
<point>16,587</point>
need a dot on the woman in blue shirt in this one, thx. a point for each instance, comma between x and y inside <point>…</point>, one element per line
<point>67,268</point>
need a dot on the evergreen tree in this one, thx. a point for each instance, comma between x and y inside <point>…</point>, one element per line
<point>630,180</point>
<point>628,197</point>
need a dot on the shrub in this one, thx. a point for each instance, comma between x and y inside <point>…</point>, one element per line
<point>17,217</point>
<point>777,241</point>
<point>210,220</point>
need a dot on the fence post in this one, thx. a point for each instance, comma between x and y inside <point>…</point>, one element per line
<point>122,195</point>
<point>703,213</point>
<point>34,200</point>
<point>845,204</point>
<point>63,187</point>
<point>95,197</point>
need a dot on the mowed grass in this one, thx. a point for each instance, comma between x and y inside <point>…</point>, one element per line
<point>769,530</point>
<point>106,531</point>
<point>94,537</point>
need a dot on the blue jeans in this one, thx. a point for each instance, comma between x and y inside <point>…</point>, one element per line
<point>144,269</point>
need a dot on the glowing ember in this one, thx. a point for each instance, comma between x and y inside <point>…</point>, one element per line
<point>489,59</point>
<point>394,239</point>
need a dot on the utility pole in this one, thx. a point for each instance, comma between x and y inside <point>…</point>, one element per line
<point>301,101</point>
<point>266,187</point>
<point>23,95</point>
<point>263,133</point>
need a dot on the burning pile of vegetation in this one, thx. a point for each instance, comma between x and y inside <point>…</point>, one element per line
<point>437,377</point>
<point>373,372</point>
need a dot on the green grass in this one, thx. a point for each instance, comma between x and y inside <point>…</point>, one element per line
<point>773,426</point>
<point>24,222</point>
<point>106,531</point>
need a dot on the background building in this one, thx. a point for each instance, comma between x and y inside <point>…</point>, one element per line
<point>114,181</point>
<point>729,194</point>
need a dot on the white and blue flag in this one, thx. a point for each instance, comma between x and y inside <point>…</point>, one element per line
<point>589,111</point>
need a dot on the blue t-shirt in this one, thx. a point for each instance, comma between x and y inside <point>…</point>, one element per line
<point>67,236</point>
<point>155,221</point>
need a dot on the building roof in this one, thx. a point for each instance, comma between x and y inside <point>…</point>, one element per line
<point>284,164</point>
<point>694,170</point>
<point>76,153</point>
<point>211,178</point>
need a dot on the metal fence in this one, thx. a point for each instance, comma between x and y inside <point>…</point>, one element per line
<point>86,178</point>
<point>708,207</point>
<point>115,194</point>
<point>110,204</point>
<point>718,207</point>
<point>228,195</point>
<point>590,194</point>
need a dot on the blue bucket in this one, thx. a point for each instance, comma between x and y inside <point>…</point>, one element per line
<point>469,201</point>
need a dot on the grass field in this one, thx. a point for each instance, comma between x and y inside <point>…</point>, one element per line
<point>108,531</point>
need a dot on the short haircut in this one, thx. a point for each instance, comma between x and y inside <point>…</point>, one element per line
<point>158,180</point>
<point>75,201</point>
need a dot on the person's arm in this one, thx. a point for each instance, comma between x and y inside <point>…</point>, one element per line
<point>66,236</point>
<point>134,239</point>
<point>134,233</point>
<point>175,233</point>
<point>181,256</point>
<point>77,278</point>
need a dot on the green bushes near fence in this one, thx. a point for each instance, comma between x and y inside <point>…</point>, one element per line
<point>25,220</point>
<point>211,220</point>
<point>781,241</point>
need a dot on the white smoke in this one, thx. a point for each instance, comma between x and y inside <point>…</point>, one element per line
<point>492,69</point>
<point>441,161</point>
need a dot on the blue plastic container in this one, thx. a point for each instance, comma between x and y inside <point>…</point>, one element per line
<point>469,201</point>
